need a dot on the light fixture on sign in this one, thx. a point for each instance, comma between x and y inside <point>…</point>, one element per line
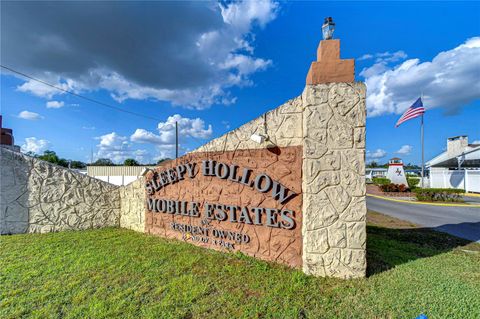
<point>327,28</point>
<point>257,138</point>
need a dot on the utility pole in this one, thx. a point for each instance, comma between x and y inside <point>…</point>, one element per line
<point>176,139</point>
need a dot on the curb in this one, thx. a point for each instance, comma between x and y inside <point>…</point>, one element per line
<point>471,195</point>
<point>423,203</point>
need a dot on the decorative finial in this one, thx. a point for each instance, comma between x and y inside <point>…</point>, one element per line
<point>327,28</point>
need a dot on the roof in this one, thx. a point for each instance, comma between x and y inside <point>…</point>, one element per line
<point>470,157</point>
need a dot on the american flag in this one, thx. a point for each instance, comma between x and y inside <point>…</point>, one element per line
<point>413,111</point>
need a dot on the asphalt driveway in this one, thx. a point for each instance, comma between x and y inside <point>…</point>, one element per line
<point>463,222</point>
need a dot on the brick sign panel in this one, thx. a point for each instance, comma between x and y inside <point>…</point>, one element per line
<point>243,200</point>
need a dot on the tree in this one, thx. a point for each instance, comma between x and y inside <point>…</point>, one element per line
<point>162,160</point>
<point>103,162</point>
<point>77,164</point>
<point>372,164</point>
<point>52,157</point>
<point>130,162</point>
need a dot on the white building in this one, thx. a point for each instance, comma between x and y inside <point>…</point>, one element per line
<point>117,175</point>
<point>371,173</point>
<point>457,167</point>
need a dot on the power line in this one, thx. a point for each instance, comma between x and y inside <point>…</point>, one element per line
<point>80,96</point>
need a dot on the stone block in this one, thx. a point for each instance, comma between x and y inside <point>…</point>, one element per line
<point>316,118</point>
<point>315,95</point>
<point>353,183</point>
<point>337,235</point>
<point>319,213</point>
<point>359,137</point>
<point>342,98</point>
<point>356,235</point>
<point>316,241</point>
<point>355,210</point>
<point>354,160</point>
<point>315,148</point>
<point>323,180</point>
<point>340,135</point>
<point>338,197</point>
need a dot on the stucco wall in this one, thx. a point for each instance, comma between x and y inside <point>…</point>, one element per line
<point>132,213</point>
<point>334,212</point>
<point>37,196</point>
<point>282,126</point>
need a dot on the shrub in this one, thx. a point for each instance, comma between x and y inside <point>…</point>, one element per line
<point>381,181</point>
<point>439,194</point>
<point>413,182</point>
<point>388,188</point>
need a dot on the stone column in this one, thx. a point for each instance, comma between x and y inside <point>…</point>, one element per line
<point>334,208</point>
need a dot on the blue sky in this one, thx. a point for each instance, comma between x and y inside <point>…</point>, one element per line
<point>214,67</point>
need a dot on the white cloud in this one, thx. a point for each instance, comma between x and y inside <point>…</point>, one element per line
<point>390,57</point>
<point>405,150</point>
<point>384,56</point>
<point>366,56</point>
<point>450,80</point>
<point>476,142</point>
<point>90,128</point>
<point>227,124</point>
<point>118,148</point>
<point>194,63</point>
<point>187,127</point>
<point>114,147</point>
<point>55,104</point>
<point>31,116</point>
<point>243,13</point>
<point>143,136</point>
<point>37,146</point>
<point>164,138</point>
<point>375,155</point>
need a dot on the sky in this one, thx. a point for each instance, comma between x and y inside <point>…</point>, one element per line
<point>213,66</point>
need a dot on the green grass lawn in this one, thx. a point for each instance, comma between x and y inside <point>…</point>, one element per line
<point>112,273</point>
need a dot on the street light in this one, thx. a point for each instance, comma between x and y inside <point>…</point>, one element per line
<point>327,28</point>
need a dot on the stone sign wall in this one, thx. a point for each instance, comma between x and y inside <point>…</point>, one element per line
<point>315,146</point>
<point>294,194</point>
<point>39,197</point>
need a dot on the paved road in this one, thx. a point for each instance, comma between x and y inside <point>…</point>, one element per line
<point>463,222</point>
<point>472,199</point>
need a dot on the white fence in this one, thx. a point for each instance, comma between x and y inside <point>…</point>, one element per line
<point>463,179</point>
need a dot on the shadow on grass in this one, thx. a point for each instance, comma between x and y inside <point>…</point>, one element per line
<point>391,244</point>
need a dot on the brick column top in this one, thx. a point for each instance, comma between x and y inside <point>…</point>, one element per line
<point>329,67</point>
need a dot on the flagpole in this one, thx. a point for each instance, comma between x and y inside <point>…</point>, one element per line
<point>423,154</point>
<point>423,149</point>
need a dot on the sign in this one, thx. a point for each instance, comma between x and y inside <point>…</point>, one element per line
<point>263,183</point>
<point>248,201</point>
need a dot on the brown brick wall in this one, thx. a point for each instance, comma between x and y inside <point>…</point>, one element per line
<point>273,244</point>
